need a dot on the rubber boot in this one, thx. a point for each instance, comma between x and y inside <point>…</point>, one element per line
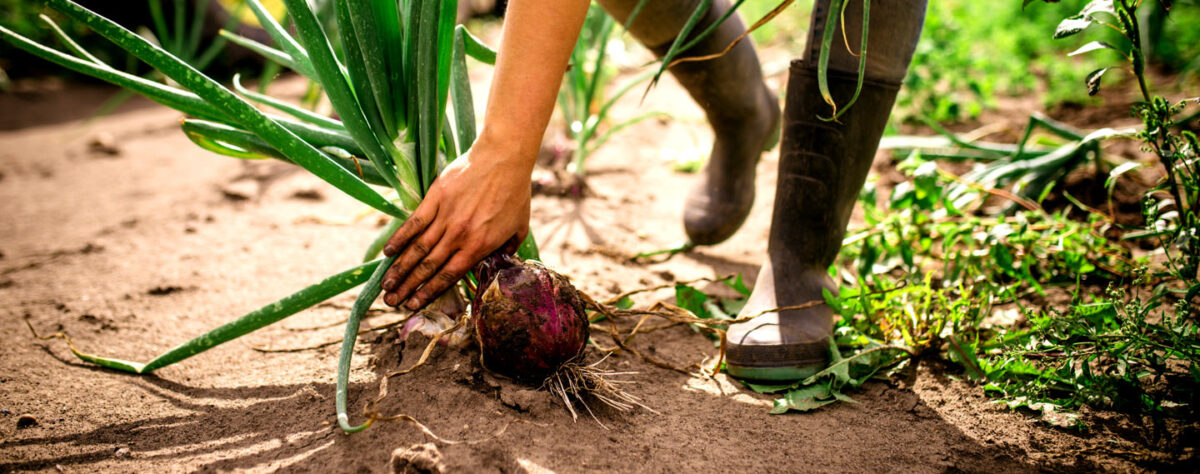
<point>822,167</point>
<point>743,113</point>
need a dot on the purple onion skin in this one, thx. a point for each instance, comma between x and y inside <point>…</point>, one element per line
<point>529,319</point>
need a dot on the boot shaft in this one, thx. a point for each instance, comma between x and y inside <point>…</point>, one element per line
<point>895,27</point>
<point>823,164</point>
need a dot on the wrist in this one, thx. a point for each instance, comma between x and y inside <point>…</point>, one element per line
<point>510,148</point>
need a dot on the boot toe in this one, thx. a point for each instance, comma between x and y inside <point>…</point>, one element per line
<point>775,347</point>
<point>710,221</point>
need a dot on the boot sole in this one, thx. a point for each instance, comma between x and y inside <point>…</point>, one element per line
<point>775,374</point>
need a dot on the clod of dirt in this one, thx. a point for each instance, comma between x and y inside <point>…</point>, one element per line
<point>104,143</point>
<point>122,453</point>
<point>26,421</point>
<point>526,400</point>
<point>418,458</point>
<point>163,290</point>
<point>308,195</point>
<point>241,190</point>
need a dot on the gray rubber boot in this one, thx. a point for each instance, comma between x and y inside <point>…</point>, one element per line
<point>822,167</point>
<point>743,113</point>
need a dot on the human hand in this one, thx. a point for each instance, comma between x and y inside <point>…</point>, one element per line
<point>478,203</point>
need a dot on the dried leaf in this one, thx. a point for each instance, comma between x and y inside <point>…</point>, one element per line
<point>1093,80</point>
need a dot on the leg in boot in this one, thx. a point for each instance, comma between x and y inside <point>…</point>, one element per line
<point>743,113</point>
<point>822,167</point>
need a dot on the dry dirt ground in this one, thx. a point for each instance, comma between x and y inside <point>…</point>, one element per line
<point>134,251</point>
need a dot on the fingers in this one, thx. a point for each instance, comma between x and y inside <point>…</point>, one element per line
<point>512,245</point>
<point>414,226</point>
<point>420,260</point>
<point>454,270</point>
<point>421,275</point>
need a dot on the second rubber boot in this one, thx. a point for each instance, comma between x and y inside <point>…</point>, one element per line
<point>743,113</point>
<point>822,167</point>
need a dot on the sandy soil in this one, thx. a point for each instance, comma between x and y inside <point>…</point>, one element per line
<point>134,252</point>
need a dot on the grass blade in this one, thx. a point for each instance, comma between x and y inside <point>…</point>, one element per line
<point>367,31</point>
<point>272,54</point>
<point>699,13</point>
<point>230,141</point>
<point>254,320</point>
<point>711,28</point>
<point>70,43</point>
<point>460,92</point>
<point>293,110</point>
<point>156,16</point>
<point>476,49</point>
<point>319,137</point>
<point>180,15</point>
<point>177,99</point>
<point>391,41</point>
<point>601,46</point>
<point>623,125</point>
<point>369,293</point>
<point>862,61</point>
<point>826,49</point>
<point>197,27</point>
<point>381,239</point>
<point>423,79</point>
<point>447,17</point>
<point>355,58</point>
<point>283,39</point>
<point>344,103</point>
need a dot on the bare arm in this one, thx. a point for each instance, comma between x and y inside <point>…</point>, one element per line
<point>481,201</point>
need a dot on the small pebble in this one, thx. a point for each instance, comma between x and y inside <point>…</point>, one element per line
<point>5,412</point>
<point>26,421</point>
<point>105,143</point>
<point>122,453</point>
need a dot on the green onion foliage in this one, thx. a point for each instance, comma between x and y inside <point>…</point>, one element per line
<point>390,71</point>
<point>582,96</point>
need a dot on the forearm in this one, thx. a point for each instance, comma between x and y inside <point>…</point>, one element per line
<point>535,48</point>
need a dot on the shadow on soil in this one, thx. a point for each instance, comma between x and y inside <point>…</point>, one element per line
<point>705,425</point>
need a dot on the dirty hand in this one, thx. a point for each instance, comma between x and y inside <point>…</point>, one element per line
<point>478,203</point>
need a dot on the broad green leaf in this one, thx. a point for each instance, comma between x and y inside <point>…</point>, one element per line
<point>1093,46</point>
<point>769,388</point>
<point>692,300</point>
<point>803,399</point>
<point>1072,26</point>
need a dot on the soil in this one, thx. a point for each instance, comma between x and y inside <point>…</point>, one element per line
<point>146,241</point>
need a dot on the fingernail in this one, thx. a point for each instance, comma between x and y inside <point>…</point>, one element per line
<point>389,250</point>
<point>413,304</point>
<point>389,299</point>
<point>389,283</point>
